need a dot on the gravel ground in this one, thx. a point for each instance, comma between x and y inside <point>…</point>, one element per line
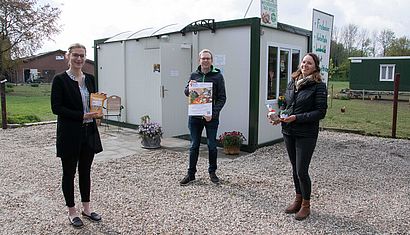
<point>361,185</point>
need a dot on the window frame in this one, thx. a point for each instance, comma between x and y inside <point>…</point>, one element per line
<point>279,47</point>
<point>387,66</point>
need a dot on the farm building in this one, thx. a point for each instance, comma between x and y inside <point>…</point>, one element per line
<point>377,73</point>
<point>44,66</point>
<point>149,69</point>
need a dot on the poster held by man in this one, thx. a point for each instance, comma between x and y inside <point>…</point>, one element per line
<point>200,99</point>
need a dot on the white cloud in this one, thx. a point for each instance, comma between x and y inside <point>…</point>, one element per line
<point>87,20</point>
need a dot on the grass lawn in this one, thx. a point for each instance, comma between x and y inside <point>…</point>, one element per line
<point>372,117</point>
<point>337,86</point>
<point>25,100</point>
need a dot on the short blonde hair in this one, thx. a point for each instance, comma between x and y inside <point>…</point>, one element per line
<point>205,51</point>
<point>76,45</point>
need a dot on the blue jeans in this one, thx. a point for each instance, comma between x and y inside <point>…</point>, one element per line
<point>196,125</point>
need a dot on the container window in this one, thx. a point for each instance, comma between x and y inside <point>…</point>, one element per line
<point>387,72</point>
<point>272,73</point>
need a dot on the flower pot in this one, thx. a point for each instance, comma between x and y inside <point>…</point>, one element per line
<point>232,150</point>
<point>151,142</point>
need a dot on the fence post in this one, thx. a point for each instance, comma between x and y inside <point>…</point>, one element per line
<point>395,99</point>
<point>331,98</point>
<point>3,104</point>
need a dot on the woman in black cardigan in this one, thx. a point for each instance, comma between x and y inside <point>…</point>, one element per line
<point>77,133</point>
<point>306,103</point>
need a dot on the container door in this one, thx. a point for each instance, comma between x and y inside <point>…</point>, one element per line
<point>175,69</point>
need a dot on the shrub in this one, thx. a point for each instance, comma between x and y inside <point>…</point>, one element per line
<point>21,119</point>
<point>9,90</point>
<point>232,138</point>
<point>344,97</point>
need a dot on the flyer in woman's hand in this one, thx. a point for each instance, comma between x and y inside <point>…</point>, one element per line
<point>97,102</point>
<point>200,99</point>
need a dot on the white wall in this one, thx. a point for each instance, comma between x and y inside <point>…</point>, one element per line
<point>234,45</point>
<point>133,77</point>
<point>111,70</point>
<point>175,70</point>
<point>142,85</point>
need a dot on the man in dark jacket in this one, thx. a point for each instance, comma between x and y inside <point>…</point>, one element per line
<point>206,72</point>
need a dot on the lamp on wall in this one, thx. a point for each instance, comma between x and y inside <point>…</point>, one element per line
<point>165,37</point>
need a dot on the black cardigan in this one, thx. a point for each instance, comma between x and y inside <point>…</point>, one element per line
<point>66,103</point>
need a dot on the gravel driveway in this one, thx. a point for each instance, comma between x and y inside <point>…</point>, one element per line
<point>361,185</point>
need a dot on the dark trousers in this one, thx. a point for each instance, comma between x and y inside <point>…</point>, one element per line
<point>300,151</point>
<point>84,162</point>
<point>196,126</point>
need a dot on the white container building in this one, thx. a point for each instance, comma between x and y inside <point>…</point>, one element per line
<point>127,65</point>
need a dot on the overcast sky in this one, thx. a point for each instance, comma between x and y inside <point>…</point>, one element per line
<point>87,20</point>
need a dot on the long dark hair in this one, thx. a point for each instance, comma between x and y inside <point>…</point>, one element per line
<point>316,74</point>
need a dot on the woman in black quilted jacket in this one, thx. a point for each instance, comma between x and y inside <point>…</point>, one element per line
<point>306,103</point>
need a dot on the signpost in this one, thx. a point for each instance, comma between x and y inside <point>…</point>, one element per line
<point>3,103</point>
<point>269,13</point>
<point>322,27</point>
<point>395,99</point>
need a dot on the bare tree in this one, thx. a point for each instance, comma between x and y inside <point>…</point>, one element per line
<point>336,34</point>
<point>386,38</point>
<point>364,42</point>
<point>349,36</point>
<point>399,47</point>
<point>24,26</point>
<point>373,48</point>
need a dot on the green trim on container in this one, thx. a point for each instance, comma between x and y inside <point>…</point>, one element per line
<point>254,85</point>
<point>96,43</point>
<point>270,143</point>
<point>250,21</point>
<point>236,23</point>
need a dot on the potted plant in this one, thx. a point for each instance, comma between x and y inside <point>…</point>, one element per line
<point>150,133</point>
<point>232,142</point>
<point>281,102</point>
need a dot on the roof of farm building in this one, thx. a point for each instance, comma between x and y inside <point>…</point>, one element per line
<point>204,24</point>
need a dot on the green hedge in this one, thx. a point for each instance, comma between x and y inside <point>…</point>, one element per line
<point>20,119</point>
<point>9,90</point>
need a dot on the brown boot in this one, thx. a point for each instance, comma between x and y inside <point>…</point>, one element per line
<point>304,210</point>
<point>295,206</point>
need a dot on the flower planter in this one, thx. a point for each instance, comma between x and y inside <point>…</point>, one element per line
<point>151,142</point>
<point>232,150</point>
<point>150,133</point>
<point>232,142</point>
